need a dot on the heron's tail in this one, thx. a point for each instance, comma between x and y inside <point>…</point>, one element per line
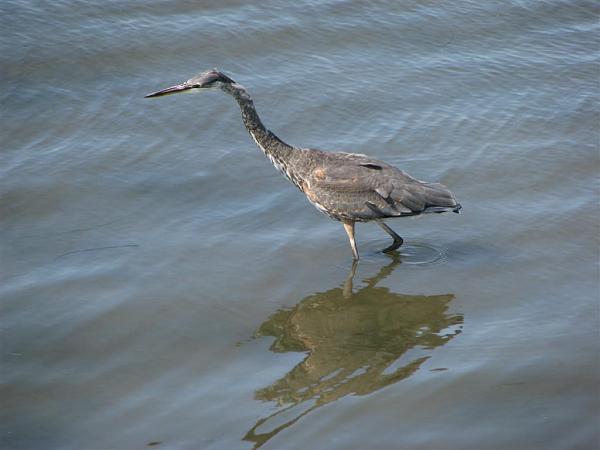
<point>414,198</point>
<point>438,199</point>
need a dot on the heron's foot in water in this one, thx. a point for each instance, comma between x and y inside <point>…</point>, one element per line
<point>395,246</point>
<point>398,241</point>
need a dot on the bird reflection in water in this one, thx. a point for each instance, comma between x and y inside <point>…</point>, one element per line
<point>353,342</point>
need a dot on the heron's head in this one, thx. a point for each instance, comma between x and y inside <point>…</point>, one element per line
<point>205,80</point>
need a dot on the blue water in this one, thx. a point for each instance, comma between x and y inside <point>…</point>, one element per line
<point>162,286</point>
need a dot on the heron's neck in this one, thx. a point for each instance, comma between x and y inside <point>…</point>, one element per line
<point>277,150</point>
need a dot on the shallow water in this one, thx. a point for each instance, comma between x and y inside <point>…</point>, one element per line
<point>162,286</point>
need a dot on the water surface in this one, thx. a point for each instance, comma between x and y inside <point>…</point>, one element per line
<point>162,284</point>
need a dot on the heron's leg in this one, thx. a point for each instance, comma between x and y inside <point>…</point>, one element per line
<point>397,239</point>
<point>347,291</point>
<point>349,227</point>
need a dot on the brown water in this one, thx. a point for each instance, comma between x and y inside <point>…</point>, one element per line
<point>162,286</point>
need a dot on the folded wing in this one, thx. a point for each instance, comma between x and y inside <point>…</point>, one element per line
<point>356,187</point>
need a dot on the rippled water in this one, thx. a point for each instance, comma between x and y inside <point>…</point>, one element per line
<point>162,286</point>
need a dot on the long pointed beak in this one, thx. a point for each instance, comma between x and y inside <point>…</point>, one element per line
<point>170,90</point>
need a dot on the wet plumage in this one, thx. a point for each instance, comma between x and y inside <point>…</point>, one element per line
<point>348,187</point>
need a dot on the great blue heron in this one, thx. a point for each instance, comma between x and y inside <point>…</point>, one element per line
<point>348,187</point>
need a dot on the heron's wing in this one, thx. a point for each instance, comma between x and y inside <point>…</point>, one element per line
<point>351,184</point>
